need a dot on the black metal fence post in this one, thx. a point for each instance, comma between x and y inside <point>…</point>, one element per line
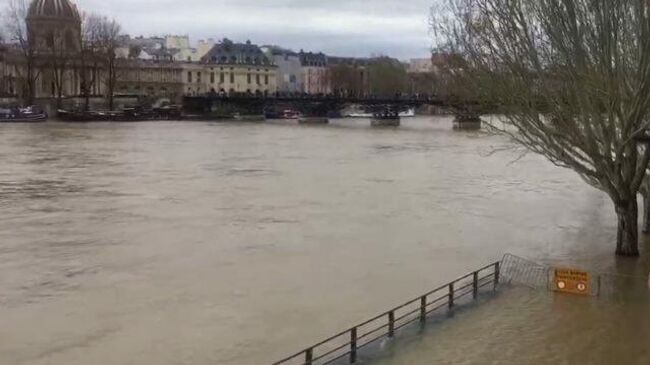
<point>309,356</point>
<point>391,324</point>
<point>497,274</point>
<point>475,285</point>
<point>451,295</point>
<point>353,345</point>
<point>423,309</point>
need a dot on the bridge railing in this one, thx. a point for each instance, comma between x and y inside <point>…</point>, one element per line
<point>320,97</point>
<point>347,344</point>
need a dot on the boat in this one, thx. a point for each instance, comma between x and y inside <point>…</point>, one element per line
<point>290,114</point>
<point>30,114</point>
<point>467,121</point>
<point>405,114</point>
<point>169,112</point>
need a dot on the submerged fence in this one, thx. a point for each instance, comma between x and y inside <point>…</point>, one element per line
<point>345,346</point>
<point>517,270</point>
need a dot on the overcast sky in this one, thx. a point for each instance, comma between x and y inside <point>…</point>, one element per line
<point>398,28</point>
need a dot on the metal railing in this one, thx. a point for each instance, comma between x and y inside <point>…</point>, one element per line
<point>347,344</point>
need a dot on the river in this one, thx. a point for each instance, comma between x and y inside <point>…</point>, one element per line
<point>236,243</point>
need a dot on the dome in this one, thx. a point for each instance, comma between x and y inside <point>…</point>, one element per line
<point>61,9</point>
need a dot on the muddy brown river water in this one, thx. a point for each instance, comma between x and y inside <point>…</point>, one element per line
<point>226,243</point>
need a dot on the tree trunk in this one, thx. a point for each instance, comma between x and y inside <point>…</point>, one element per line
<point>627,237</point>
<point>646,212</point>
<point>87,101</point>
<point>59,99</point>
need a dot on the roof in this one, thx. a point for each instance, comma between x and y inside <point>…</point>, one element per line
<point>312,59</point>
<point>279,51</point>
<point>228,52</point>
<point>61,9</point>
<point>348,61</point>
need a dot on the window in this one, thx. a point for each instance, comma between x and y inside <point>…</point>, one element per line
<point>222,77</point>
<point>232,77</point>
<point>212,77</point>
<point>189,76</point>
<point>189,58</point>
<point>257,79</point>
<point>266,79</point>
<point>198,76</point>
<point>249,77</point>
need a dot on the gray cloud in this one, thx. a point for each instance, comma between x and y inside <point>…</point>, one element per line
<point>398,28</point>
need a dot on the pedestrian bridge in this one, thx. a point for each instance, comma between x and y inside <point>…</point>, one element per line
<point>385,111</point>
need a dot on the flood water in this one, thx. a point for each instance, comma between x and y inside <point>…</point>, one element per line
<point>226,243</point>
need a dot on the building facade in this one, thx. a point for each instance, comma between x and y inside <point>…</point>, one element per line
<point>314,77</point>
<point>58,70</point>
<point>150,79</point>
<point>238,68</point>
<point>289,69</point>
<point>420,65</point>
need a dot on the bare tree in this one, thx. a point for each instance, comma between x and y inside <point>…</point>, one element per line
<point>89,62</point>
<point>16,29</point>
<point>572,79</point>
<point>108,38</point>
<point>60,51</point>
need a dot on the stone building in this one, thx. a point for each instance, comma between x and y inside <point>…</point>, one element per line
<point>150,79</point>
<point>238,68</point>
<point>195,79</point>
<point>289,69</point>
<point>420,65</point>
<point>314,78</point>
<point>54,33</point>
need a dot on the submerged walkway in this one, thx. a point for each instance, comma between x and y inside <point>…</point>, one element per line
<point>528,326</point>
<point>469,322</point>
<point>361,341</point>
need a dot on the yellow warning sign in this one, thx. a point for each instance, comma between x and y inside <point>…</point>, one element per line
<point>572,281</point>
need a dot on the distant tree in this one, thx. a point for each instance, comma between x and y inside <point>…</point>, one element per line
<point>17,33</point>
<point>108,40</point>
<point>572,79</point>
<point>387,77</point>
<point>346,80</point>
<point>422,83</point>
<point>90,57</point>
<point>58,54</point>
